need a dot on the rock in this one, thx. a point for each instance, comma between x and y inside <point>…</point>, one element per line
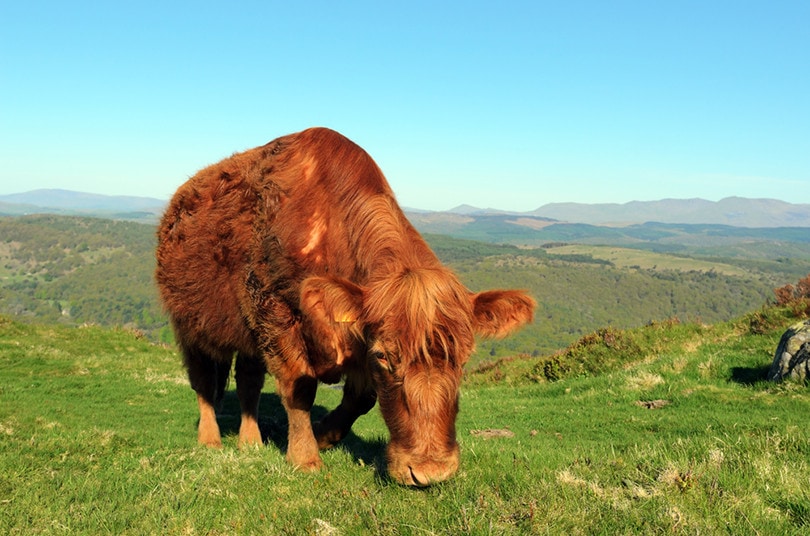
<point>322,528</point>
<point>792,358</point>
<point>492,432</point>
<point>653,404</point>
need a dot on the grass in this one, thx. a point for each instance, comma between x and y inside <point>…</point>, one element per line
<point>647,260</point>
<point>97,436</point>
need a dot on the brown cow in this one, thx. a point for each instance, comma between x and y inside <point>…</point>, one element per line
<point>295,257</point>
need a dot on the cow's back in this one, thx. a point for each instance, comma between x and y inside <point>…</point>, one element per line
<point>259,222</point>
<point>329,183</point>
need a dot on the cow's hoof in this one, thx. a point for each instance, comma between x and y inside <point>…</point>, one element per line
<point>307,465</point>
<point>249,436</point>
<point>311,467</point>
<point>209,438</point>
<point>326,438</point>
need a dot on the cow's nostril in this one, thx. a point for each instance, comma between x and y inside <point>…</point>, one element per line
<point>418,480</point>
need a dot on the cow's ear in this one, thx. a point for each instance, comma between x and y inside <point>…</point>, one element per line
<point>332,309</point>
<point>331,300</point>
<point>496,313</point>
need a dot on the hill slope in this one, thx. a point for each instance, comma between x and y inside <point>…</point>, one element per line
<point>98,431</point>
<point>80,270</point>
<point>85,270</point>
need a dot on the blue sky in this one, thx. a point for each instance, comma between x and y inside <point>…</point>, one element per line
<point>509,105</point>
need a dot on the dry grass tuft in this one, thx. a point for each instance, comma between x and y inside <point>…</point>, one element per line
<point>643,381</point>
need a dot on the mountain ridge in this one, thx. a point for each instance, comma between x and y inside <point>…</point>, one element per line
<point>69,202</point>
<point>733,211</point>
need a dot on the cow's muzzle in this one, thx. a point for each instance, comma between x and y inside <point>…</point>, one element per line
<point>421,469</point>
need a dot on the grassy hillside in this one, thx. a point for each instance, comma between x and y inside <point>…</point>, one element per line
<point>674,433</point>
<point>643,259</point>
<point>76,271</point>
<point>578,297</point>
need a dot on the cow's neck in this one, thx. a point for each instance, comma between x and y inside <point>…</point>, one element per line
<point>386,243</point>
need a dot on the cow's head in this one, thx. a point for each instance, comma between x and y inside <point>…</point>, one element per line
<point>418,330</point>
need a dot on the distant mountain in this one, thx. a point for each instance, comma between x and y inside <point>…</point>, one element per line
<point>731,211</point>
<point>66,202</point>
<point>466,209</point>
<point>734,211</point>
<point>666,225</point>
<point>471,210</point>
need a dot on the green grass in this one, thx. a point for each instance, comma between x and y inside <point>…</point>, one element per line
<point>647,260</point>
<point>97,436</point>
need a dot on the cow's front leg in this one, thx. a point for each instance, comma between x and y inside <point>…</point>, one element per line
<point>286,359</point>
<point>359,396</point>
<point>297,396</point>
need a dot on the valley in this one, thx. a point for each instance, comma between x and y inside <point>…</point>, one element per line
<point>75,270</point>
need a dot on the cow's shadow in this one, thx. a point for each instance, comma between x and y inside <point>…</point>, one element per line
<point>273,427</point>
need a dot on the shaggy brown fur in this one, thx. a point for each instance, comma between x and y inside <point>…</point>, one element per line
<point>296,258</point>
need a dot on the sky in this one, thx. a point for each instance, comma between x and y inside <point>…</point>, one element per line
<point>507,105</point>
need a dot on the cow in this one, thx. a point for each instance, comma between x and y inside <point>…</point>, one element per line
<point>294,258</point>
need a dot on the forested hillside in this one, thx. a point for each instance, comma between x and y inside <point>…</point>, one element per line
<point>578,293</point>
<point>77,270</point>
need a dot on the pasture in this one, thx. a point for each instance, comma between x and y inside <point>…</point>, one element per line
<point>647,260</point>
<point>98,436</point>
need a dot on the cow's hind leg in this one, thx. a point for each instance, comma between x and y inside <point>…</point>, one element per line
<point>208,376</point>
<point>359,397</point>
<point>250,372</point>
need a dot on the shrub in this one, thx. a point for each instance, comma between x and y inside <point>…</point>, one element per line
<point>594,353</point>
<point>796,298</point>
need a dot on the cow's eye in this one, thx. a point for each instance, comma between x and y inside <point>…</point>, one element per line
<point>382,361</point>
